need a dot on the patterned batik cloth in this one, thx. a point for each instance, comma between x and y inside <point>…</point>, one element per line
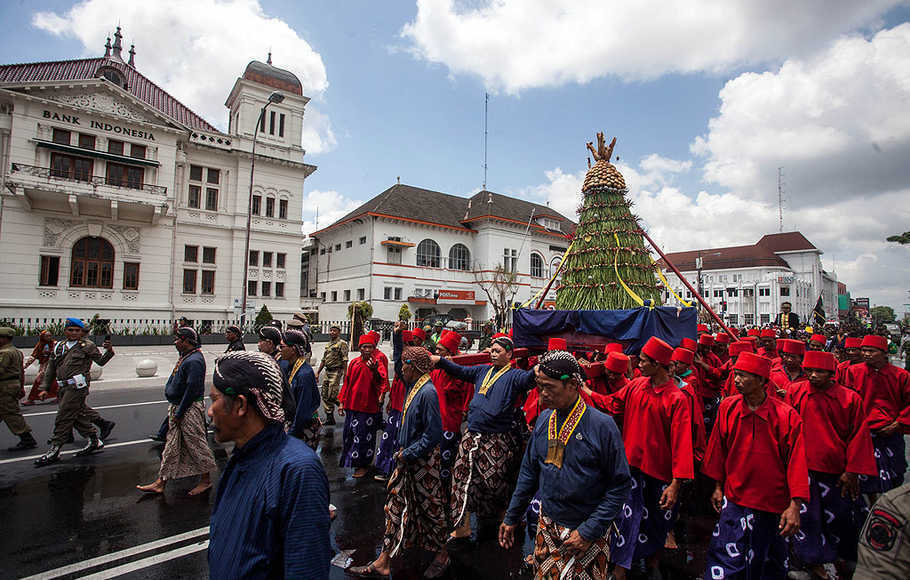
<point>415,508</point>
<point>710,405</point>
<point>746,544</point>
<point>186,449</point>
<point>449,448</point>
<point>642,525</point>
<point>891,461</point>
<point>388,443</point>
<point>484,475</point>
<point>532,515</point>
<point>359,438</point>
<point>551,564</point>
<point>829,523</point>
<point>312,432</point>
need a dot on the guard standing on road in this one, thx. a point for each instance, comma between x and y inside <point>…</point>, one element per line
<point>71,366</point>
<point>12,388</point>
<point>234,337</point>
<point>334,361</point>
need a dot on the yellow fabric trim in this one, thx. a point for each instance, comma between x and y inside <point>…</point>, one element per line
<point>667,286</point>
<point>628,290</point>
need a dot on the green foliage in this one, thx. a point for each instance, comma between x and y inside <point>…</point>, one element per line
<point>882,314</point>
<point>404,313</point>
<point>98,326</point>
<point>902,239</point>
<point>263,317</point>
<point>364,310</point>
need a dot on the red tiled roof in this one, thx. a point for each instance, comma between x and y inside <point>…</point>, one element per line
<point>786,242</point>
<point>726,258</point>
<point>87,68</point>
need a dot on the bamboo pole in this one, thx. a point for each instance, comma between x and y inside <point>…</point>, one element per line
<point>689,286</point>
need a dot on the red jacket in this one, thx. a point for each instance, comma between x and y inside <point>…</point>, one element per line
<point>657,428</point>
<point>362,386</point>
<point>453,395</point>
<point>839,439</point>
<point>696,408</point>
<point>885,394</point>
<point>758,455</point>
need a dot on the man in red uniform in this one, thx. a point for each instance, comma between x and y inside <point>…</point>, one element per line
<point>792,353</point>
<point>838,450</point>
<point>768,347</point>
<point>885,390</point>
<point>657,433</point>
<point>736,349</point>
<point>853,356</point>
<point>454,396</point>
<point>687,381</point>
<point>816,342</point>
<point>756,456</point>
<point>613,379</point>
<point>721,348</point>
<point>359,400</point>
<point>709,376</point>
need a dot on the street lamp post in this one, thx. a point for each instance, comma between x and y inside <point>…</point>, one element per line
<point>275,97</point>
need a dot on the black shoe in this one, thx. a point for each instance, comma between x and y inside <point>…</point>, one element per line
<point>94,444</point>
<point>52,456</point>
<point>26,441</point>
<point>329,418</point>
<point>106,427</point>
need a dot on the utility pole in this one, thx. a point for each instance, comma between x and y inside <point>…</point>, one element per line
<point>780,199</point>
<point>486,100</point>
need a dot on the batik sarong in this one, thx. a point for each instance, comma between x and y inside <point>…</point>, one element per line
<point>532,515</point>
<point>186,449</point>
<point>746,544</point>
<point>829,523</point>
<point>642,525</point>
<point>710,405</point>
<point>484,475</point>
<point>415,509</point>
<point>312,432</point>
<point>449,450</point>
<point>550,563</point>
<point>388,443</point>
<point>359,438</point>
<point>891,460</point>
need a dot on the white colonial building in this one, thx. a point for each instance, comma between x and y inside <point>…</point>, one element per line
<point>119,200</point>
<point>747,284</point>
<point>435,252</point>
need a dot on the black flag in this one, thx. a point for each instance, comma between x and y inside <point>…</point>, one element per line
<point>818,314</point>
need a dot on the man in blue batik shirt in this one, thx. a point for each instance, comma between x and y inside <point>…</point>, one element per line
<point>577,460</point>
<point>271,516</point>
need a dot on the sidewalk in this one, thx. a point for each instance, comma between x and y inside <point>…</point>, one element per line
<point>120,371</point>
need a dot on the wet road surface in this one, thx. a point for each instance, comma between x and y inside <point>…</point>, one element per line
<point>83,517</point>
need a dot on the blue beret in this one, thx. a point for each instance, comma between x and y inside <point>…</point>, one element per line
<point>74,322</point>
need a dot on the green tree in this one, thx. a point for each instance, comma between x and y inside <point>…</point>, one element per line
<point>902,239</point>
<point>882,314</point>
<point>404,313</point>
<point>263,318</point>
<point>358,313</point>
<point>608,241</point>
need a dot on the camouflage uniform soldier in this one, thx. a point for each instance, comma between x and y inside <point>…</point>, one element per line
<point>12,383</point>
<point>884,544</point>
<point>70,365</point>
<point>334,361</point>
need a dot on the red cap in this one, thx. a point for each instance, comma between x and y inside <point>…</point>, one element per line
<point>687,343</point>
<point>702,328</point>
<point>683,355</point>
<point>419,333</point>
<point>819,359</point>
<point>557,344</point>
<point>875,341</point>
<point>818,338</point>
<point>753,363</point>
<point>658,350</point>
<point>368,338</point>
<point>450,341</point>
<point>617,362</point>
<point>853,342</point>
<point>753,332</point>
<point>706,340</point>
<point>407,336</point>
<point>793,347</point>
<point>613,347</point>
<point>741,346</point>
<point>750,339</point>
<point>722,338</point>
<point>768,333</point>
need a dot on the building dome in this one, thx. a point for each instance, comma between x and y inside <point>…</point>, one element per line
<point>274,77</point>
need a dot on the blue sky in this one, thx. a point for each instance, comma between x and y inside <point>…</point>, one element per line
<point>706,103</point>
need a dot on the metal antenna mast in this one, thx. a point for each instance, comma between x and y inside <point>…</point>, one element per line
<point>486,99</point>
<point>780,199</point>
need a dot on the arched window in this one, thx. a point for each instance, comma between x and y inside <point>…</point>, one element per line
<point>92,264</point>
<point>554,264</point>
<point>536,265</point>
<point>459,257</point>
<point>428,254</point>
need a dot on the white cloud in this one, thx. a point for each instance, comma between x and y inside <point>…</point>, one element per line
<point>196,50</point>
<point>518,44</point>
<point>328,205</point>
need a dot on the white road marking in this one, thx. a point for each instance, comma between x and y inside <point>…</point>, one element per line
<point>104,407</point>
<point>125,553</point>
<point>148,562</point>
<point>72,451</point>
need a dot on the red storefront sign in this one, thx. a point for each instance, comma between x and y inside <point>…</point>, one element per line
<point>455,297</point>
